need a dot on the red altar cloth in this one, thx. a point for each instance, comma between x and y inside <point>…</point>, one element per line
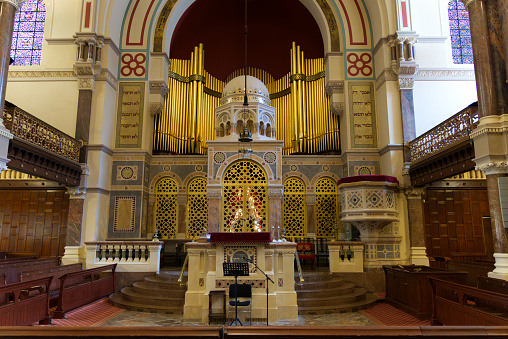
<point>240,237</point>
<point>357,178</point>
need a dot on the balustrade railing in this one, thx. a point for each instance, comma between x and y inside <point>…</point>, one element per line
<point>445,134</point>
<point>131,256</point>
<point>29,128</point>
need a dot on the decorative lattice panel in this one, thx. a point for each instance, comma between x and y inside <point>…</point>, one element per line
<point>244,202</point>
<point>166,208</point>
<point>294,209</point>
<point>197,208</point>
<point>326,208</point>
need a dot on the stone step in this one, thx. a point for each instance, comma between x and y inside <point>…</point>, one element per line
<point>369,300</point>
<point>118,300</point>
<point>315,285</point>
<point>357,294</point>
<point>129,294</point>
<point>146,288</point>
<point>340,289</point>
<point>163,282</point>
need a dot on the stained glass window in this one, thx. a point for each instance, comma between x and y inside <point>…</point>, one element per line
<point>462,49</point>
<point>28,33</point>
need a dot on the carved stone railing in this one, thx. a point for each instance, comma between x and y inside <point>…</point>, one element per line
<point>452,130</point>
<point>131,256</point>
<point>33,130</point>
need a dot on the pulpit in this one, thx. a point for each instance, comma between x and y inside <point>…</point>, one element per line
<point>276,259</point>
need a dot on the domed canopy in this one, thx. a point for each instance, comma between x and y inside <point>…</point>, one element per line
<point>234,91</point>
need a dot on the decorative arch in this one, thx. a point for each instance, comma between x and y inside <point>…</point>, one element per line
<point>323,175</point>
<point>159,176</point>
<point>244,199</point>
<point>299,175</point>
<point>191,177</point>
<point>237,157</point>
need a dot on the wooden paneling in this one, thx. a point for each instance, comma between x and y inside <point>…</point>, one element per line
<point>33,221</point>
<point>454,223</point>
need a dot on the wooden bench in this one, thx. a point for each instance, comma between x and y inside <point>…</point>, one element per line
<point>55,272</point>
<point>95,284</point>
<point>12,268</point>
<point>462,305</point>
<point>16,310</point>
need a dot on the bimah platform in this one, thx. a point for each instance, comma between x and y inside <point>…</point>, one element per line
<point>205,274</point>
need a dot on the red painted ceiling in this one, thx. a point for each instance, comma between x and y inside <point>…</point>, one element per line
<point>272,27</point>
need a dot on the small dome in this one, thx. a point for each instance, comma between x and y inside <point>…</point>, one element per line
<point>234,91</point>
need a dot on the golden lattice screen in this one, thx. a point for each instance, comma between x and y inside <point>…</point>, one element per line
<point>326,208</point>
<point>197,208</point>
<point>166,208</point>
<point>244,201</point>
<point>294,209</point>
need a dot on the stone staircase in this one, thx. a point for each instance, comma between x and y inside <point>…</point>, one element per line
<point>324,293</point>
<point>159,293</point>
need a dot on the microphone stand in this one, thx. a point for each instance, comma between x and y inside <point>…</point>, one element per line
<point>267,279</point>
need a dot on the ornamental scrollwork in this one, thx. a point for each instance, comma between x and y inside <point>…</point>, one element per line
<point>498,167</point>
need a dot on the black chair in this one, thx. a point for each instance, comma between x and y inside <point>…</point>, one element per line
<point>238,293</point>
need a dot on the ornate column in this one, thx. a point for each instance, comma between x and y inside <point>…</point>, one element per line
<point>8,9</point>
<point>86,68</point>
<point>275,194</point>
<point>310,201</point>
<point>181,200</point>
<point>485,85</point>
<point>214,194</point>
<point>418,256</point>
<point>405,67</point>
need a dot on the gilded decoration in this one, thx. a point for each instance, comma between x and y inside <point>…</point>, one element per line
<point>244,202</point>
<point>363,119</point>
<point>332,25</point>
<point>166,208</point>
<point>294,209</point>
<point>327,208</point>
<point>197,208</point>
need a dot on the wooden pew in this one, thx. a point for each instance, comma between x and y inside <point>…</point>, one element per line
<point>55,272</point>
<point>18,311</point>
<point>94,285</point>
<point>12,268</point>
<point>462,305</point>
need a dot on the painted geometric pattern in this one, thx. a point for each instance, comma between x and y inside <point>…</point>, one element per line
<point>294,208</point>
<point>374,199</point>
<point>354,200</point>
<point>391,202</point>
<point>124,218</point>
<point>326,208</point>
<point>197,208</point>
<point>244,203</point>
<point>28,33</point>
<point>166,208</point>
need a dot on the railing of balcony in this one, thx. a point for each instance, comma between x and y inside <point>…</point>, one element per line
<point>31,129</point>
<point>445,134</point>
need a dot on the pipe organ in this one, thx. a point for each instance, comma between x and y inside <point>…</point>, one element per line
<point>304,119</point>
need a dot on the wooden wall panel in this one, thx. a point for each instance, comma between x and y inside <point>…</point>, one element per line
<point>33,221</point>
<point>454,223</point>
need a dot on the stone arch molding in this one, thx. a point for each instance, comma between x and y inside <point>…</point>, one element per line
<point>148,26</point>
<point>256,159</point>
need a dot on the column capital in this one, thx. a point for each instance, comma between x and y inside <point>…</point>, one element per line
<point>469,2</point>
<point>181,198</point>
<point>214,193</point>
<point>76,192</point>
<point>310,199</point>
<point>490,168</point>
<point>414,193</point>
<point>16,3</point>
<point>275,192</point>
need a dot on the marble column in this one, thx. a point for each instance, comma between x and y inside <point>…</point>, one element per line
<point>418,255</point>
<point>310,201</point>
<point>214,195</point>
<point>181,200</point>
<point>498,55</point>
<point>275,211</point>
<point>485,84</point>
<point>74,225</point>
<point>499,233</point>
<point>502,6</point>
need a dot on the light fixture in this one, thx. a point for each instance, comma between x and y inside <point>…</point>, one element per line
<point>245,135</point>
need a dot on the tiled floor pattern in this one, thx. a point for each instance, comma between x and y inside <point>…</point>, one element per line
<point>101,313</point>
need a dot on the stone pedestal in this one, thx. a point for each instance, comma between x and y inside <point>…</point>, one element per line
<point>339,261</point>
<point>205,274</point>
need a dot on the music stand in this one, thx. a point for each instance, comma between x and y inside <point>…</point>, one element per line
<point>236,269</point>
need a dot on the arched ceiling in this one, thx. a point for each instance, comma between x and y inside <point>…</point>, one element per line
<point>272,27</point>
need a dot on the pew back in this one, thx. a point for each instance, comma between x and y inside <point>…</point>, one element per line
<point>17,310</point>
<point>12,268</point>
<point>95,284</point>
<point>56,272</point>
